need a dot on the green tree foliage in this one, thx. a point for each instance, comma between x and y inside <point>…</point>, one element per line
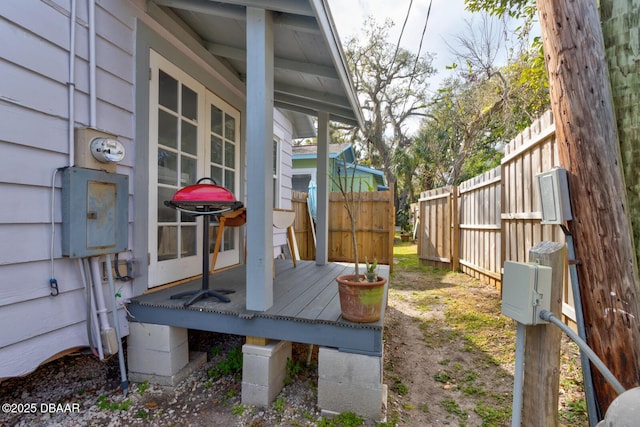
<point>466,122</point>
<point>520,9</point>
<point>392,85</point>
<point>479,110</point>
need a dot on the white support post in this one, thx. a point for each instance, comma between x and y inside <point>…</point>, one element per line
<point>259,159</point>
<point>322,202</point>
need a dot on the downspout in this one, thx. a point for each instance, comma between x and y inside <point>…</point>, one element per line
<point>92,64</point>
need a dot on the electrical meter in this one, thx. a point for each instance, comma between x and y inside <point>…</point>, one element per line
<point>107,150</point>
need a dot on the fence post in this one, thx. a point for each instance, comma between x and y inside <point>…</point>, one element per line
<point>455,230</point>
<point>542,349</point>
<point>391,224</point>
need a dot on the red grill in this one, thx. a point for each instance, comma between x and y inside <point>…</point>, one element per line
<point>206,200</point>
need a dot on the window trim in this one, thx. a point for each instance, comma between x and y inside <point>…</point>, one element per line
<point>277,174</point>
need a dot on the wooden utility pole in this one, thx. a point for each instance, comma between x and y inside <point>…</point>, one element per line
<point>588,147</point>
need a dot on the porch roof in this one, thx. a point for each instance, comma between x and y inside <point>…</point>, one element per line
<point>311,74</point>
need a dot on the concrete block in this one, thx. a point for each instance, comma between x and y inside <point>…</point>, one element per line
<point>257,395</point>
<point>255,369</point>
<point>156,337</point>
<point>157,349</point>
<point>157,362</point>
<point>380,416</point>
<point>264,369</point>
<point>349,382</point>
<point>344,397</point>
<point>334,365</point>
<point>197,360</point>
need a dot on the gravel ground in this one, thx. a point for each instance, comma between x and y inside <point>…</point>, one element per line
<point>79,390</point>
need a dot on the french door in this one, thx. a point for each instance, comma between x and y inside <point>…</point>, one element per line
<point>193,134</point>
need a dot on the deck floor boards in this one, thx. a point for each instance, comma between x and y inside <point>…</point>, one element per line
<point>308,293</point>
<point>306,308</point>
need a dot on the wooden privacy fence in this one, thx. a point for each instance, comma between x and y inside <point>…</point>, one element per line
<point>436,214</point>
<point>493,217</point>
<point>375,227</point>
<point>479,201</point>
<point>303,226</point>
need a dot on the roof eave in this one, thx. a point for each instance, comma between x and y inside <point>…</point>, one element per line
<point>328,28</point>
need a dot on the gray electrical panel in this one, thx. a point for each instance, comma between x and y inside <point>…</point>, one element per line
<point>554,196</point>
<point>526,291</point>
<point>95,212</point>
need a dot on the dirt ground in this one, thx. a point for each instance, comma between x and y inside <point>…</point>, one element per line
<point>436,365</point>
<point>448,361</point>
<point>449,354</point>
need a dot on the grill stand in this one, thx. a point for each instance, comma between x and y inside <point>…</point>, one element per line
<point>205,292</point>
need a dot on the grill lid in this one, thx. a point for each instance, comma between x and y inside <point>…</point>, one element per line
<point>201,197</point>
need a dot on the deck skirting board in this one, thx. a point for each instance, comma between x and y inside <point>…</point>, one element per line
<point>343,336</point>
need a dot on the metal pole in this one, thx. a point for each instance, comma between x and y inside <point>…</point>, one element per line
<point>123,370</point>
<point>587,378</point>
<point>518,377</point>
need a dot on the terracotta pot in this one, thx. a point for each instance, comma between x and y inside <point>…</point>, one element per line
<point>360,301</point>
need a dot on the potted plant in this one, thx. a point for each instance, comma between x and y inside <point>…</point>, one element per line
<point>405,224</point>
<point>405,234</point>
<point>360,299</point>
<point>371,274</point>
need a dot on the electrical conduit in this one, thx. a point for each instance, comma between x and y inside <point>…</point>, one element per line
<point>597,362</point>
<point>95,341</point>
<point>106,331</point>
<point>114,308</point>
<point>72,81</point>
<point>518,377</point>
<point>92,64</point>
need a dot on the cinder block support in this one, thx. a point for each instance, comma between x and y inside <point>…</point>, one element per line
<point>160,354</point>
<point>264,368</point>
<point>349,382</point>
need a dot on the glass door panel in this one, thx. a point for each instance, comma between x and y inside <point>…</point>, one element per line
<point>192,134</point>
<point>223,164</point>
<point>175,129</point>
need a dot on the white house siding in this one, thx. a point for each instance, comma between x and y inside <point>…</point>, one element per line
<point>34,65</point>
<point>282,131</point>
<point>34,143</point>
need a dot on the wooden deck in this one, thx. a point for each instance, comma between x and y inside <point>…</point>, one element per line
<point>306,308</point>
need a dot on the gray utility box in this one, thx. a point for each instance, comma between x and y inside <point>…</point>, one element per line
<point>526,291</point>
<point>554,196</point>
<point>94,212</point>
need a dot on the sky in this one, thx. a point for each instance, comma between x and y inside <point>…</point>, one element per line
<point>447,19</point>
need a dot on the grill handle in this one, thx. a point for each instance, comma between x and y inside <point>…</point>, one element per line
<point>206,177</point>
<point>196,212</point>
